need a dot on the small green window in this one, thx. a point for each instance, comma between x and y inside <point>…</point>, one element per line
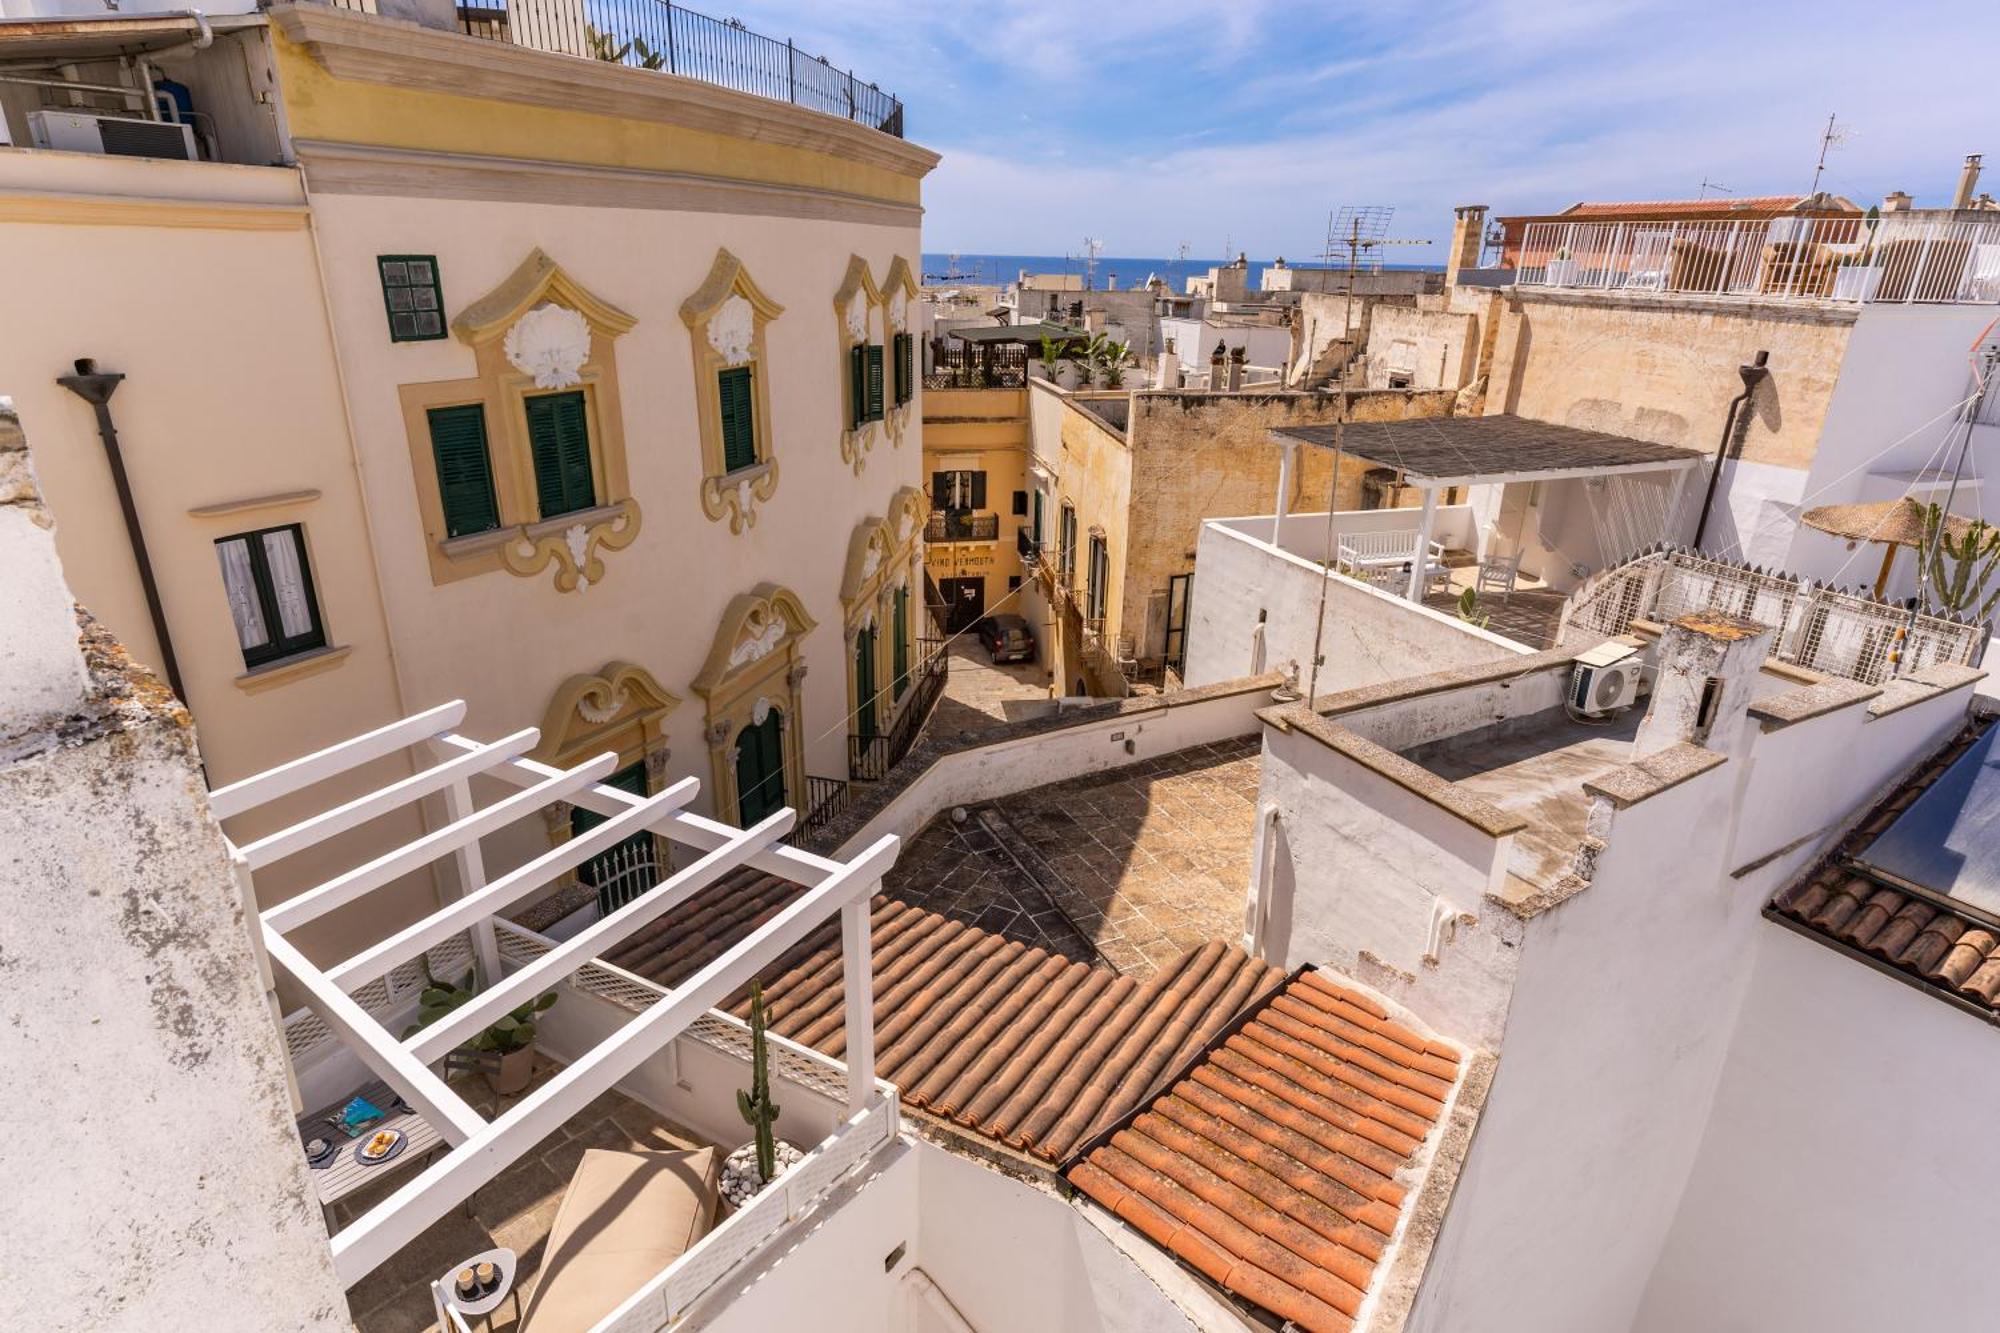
<point>739,419</point>
<point>464,469</point>
<point>413,297</point>
<point>559,439</point>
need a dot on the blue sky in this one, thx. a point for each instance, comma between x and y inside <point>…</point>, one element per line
<point>1169,121</point>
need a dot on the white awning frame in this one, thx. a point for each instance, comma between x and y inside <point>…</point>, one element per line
<point>482,1149</point>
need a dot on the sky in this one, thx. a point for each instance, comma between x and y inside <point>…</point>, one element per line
<point>1245,122</point>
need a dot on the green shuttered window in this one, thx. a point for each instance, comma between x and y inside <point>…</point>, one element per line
<point>464,469</point>
<point>559,438</point>
<point>906,368</point>
<point>739,418</point>
<point>864,382</point>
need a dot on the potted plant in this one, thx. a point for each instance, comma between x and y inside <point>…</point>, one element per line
<point>1045,365</point>
<point>1115,358</point>
<point>762,1160</point>
<point>510,1041</point>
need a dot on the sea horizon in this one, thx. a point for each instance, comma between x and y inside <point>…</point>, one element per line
<point>999,269</point>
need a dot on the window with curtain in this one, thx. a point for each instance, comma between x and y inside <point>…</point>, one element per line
<point>268,582</point>
<point>1099,575</point>
<point>958,492</point>
<point>1066,545</point>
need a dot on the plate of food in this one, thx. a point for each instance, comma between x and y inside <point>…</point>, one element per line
<point>379,1147</point>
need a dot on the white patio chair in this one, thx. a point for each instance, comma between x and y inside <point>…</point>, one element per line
<point>1497,573</point>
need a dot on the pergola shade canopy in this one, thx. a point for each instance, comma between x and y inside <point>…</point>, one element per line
<point>1458,451</point>
<point>1026,334</point>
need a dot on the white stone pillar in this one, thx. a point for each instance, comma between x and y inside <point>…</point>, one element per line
<point>1420,565</point>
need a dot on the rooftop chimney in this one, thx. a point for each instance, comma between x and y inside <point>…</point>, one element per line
<point>1896,201</point>
<point>1968,181</point>
<point>1468,232</point>
<point>1706,665</point>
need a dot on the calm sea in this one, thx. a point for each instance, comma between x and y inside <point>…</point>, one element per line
<point>997,270</point>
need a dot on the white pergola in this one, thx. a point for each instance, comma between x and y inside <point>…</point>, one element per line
<point>1434,453</point>
<point>481,1149</point>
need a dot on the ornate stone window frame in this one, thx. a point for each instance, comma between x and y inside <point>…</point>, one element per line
<point>756,662</point>
<point>620,707</point>
<point>715,316</point>
<point>883,554</point>
<point>859,318</point>
<point>899,298</point>
<point>509,367</point>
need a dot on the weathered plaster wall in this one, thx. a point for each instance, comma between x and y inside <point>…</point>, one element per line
<point>1369,636</point>
<point>1436,347</point>
<point>1199,455</point>
<point>1829,1192</point>
<point>131,998</point>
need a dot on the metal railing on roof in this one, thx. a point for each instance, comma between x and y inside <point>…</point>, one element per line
<point>1794,258</point>
<point>673,39</point>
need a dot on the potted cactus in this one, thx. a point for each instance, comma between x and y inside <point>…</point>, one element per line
<point>762,1160</point>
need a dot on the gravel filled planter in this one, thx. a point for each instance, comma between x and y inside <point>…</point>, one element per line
<point>739,1171</point>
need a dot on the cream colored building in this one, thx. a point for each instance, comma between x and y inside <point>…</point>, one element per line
<point>578,390</point>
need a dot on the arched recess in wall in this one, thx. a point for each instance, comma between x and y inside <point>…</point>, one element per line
<point>881,606</point>
<point>756,673</point>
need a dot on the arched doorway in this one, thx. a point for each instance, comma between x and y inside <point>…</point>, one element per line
<point>760,769</point>
<point>864,682</point>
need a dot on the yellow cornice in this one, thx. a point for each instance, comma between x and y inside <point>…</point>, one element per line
<point>85,210</point>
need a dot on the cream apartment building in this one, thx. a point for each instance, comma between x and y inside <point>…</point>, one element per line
<point>458,368</point>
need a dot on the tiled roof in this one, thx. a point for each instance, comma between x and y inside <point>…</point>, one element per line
<point>1026,1047</point>
<point>1954,955</point>
<point>1276,1166</point>
<point>1724,205</point>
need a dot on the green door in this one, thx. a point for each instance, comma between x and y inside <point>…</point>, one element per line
<point>627,869</point>
<point>760,770</point>
<point>864,684</point>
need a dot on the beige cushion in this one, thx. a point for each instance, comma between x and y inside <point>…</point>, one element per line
<point>624,1218</point>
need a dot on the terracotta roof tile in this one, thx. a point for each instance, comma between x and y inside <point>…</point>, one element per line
<point>1272,1165</point>
<point>1023,1046</point>
<point>1956,955</point>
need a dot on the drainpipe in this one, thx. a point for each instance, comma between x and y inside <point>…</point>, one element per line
<point>1753,374</point>
<point>96,388</point>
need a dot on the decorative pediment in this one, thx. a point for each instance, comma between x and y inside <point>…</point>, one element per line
<point>539,282</point>
<point>855,299</point>
<point>878,548</point>
<point>601,709</point>
<point>729,309</point>
<point>899,291</point>
<point>755,625</point>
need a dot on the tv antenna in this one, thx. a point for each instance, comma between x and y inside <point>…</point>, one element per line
<point>1356,229</point>
<point>1092,248</point>
<point>1835,135</point>
<point>1707,185</point>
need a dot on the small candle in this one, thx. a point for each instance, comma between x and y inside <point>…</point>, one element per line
<point>488,1277</point>
<point>466,1285</point>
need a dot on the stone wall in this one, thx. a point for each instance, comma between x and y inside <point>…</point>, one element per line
<point>1430,346</point>
<point>1196,456</point>
<point>154,1178</point>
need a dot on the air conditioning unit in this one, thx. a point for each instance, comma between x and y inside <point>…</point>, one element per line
<point>83,132</point>
<point>1606,679</point>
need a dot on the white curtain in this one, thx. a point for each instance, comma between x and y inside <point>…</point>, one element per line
<point>244,608</point>
<point>288,581</point>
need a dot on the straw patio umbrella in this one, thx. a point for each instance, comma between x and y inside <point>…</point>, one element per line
<point>1894,523</point>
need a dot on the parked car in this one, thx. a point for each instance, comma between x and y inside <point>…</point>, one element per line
<point>1007,639</point>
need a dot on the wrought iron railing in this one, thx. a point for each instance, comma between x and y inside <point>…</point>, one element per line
<point>869,758</point>
<point>826,800</point>
<point>950,526</point>
<point>957,364</point>
<point>1795,257</point>
<point>1839,632</point>
<point>671,38</point>
<point>1031,550</point>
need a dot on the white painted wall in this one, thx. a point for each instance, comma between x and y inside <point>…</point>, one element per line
<point>1370,636</point>
<point>1359,866</point>
<point>1844,1182</point>
<point>1195,340</point>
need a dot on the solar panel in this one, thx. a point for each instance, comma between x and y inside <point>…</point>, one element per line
<point>1948,841</point>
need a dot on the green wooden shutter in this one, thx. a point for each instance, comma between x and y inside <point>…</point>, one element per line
<point>857,385</point>
<point>979,490</point>
<point>901,651</point>
<point>905,367</point>
<point>739,418</point>
<point>559,439</point>
<point>874,381</point>
<point>464,469</point>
